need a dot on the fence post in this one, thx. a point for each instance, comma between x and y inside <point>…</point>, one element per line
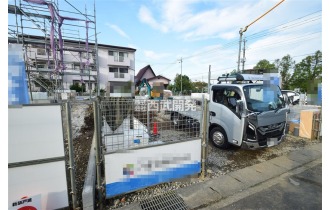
<point>201,126</point>
<point>204,136</point>
<point>71,155</point>
<point>97,129</point>
<point>148,119</point>
<point>207,124</point>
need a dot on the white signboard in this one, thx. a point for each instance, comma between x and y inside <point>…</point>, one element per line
<point>136,169</point>
<point>36,157</point>
<point>47,179</point>
<point>26,203</point>
<point>34,132</point>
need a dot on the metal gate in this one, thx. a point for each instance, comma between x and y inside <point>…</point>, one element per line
<point>141,144</point>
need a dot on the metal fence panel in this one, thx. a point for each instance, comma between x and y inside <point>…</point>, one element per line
<point>148,142</point>
<point>128,123</point>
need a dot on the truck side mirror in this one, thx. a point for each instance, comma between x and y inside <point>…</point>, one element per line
<point>286,99</point>
<point>240,107</point>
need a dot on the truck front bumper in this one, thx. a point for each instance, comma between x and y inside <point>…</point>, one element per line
<point>253,145</point>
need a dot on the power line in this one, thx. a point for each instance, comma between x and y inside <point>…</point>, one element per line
<point>232,67</point>
<point>261,33</point>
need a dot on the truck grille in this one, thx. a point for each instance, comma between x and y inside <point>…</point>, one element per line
<point>262,139</point>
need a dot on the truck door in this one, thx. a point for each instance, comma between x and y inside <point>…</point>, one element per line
<point>223,112</point>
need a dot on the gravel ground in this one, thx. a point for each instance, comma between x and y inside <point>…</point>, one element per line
<point>83,130</point>
<point>219,162</point>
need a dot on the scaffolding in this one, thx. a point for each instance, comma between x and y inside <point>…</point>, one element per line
<point>57,44</point>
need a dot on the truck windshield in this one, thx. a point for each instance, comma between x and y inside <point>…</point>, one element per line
<point>260,98</point>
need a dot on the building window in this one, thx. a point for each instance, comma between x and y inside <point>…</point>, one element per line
<point>120,87</point>
<point>41,66</point>
<point>121,57</point>
<point>41,51</point>
<point>118,56</point>
<point>114,70</point>
<point>123,70</point>
<point>118,72</point>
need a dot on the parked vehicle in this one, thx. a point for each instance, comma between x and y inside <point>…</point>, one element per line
<point>242,113</point>
<point>293,96</point>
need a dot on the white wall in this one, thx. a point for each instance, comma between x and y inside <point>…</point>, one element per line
<point>148,74</point>
<point>105,61</point>
<point>164,81</point>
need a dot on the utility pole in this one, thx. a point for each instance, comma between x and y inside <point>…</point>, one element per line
<point>243,61</point>
<point>239,48</point>
<point>181,74</point>
<point>241,31</point>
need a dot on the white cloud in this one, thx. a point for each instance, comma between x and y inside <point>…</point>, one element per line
<point>277,46</point>
<point>155,56</point>
<point>180,16</point>
<point>118,30</point>
<point>200,19</point>
<point>145,16</point>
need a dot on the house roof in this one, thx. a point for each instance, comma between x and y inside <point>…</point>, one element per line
<point>139,75</point>
<point>158,77</point>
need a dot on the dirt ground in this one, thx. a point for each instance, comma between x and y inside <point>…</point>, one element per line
<point>224,161</point>
<point>82,145</point>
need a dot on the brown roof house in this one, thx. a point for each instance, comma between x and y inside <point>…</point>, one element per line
<point>151,77</point>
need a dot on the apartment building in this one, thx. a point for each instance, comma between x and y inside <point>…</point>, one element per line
<point>116,66</point>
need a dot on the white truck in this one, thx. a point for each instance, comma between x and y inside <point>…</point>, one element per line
<point>242,113</point>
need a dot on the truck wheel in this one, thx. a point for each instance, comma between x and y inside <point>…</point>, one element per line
<point>219,138</point>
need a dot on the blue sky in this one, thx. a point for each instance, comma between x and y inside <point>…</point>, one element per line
<point>205,32</point>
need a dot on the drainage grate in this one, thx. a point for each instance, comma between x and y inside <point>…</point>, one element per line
<point>167,201</point>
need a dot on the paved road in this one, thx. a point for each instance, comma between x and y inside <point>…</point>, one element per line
<point>299,191</point>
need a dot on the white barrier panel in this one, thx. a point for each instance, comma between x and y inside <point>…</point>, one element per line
<point>34,132</point>
<point>26,202</point>
<point>47,180</point>
<point>136,169</point>
<point>36,159</point>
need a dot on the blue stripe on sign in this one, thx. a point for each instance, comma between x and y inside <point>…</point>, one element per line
<point>156,177</point>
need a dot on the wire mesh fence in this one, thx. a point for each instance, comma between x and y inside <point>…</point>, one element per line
<point>128,123</point>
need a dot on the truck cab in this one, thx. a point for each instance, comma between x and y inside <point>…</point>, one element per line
<point>248,115</point>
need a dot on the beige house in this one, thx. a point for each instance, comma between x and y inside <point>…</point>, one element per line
<point>151,77</point>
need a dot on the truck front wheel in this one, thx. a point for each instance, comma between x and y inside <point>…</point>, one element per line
<point>219,138</point>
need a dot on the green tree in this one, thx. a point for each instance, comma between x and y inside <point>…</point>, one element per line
<point>307,71</point>
<point>264,64</point>
<point>186,84</point>
<point>234,71</point>
<point>78,88</point>
<point>285,67</point>
<point>199,86</point>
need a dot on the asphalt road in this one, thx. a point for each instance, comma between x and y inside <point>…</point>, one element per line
<point>299,191</point>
